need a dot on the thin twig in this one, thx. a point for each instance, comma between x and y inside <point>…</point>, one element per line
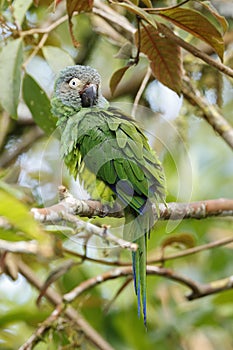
<point>42,329</point>
<point>209,112</point>
<point>33,248</point>
<point>118,292</point>
<point>36,49</point>
<point>30,136</point>
<point>140,91</point>
<point>5,122</point>
<point>193,50</point>
<point>102,232</point>
<point>44,30</point>
<point>191,251</point>
<point>178,255</point>
<point>112,16</point>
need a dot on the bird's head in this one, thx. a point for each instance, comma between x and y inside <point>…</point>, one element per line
<point>78,87</point>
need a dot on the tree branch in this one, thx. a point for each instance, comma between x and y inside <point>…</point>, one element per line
<point>193,50</point>
<point>102,232</point>
<point>127,271</point>
<point>45,30</point>
<point>211,288</point>
<point>29,136</point>
<point>197,290</point>
<point>209,112</point>
<point>171,211</point>
<point>197,210</point>
<point>31,247</point>
<point>161,259</point>
<point>191,251</point>
<point>55,298</point>
<point>69,207</point>
<point>163,29</point>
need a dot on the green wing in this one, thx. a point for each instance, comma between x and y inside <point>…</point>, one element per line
<point>114,149</point>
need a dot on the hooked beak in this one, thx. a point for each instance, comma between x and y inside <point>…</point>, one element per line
<point>89,95</point>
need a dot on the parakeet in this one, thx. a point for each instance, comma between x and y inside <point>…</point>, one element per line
<point>113,151</point>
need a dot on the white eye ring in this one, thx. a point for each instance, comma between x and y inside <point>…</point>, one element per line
<point>74,83</point>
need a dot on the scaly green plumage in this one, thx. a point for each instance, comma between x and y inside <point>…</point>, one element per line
<point>109,146</point>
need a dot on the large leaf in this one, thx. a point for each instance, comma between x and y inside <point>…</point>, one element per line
<point>116,78</point>
<point>11,58</point>
<point>137,11</point>
<point>147,3</point>
<point>78,6</point>
<point>19,216</point>
<point>164,56</point>
<point>196,24</point>
<point>220,19</point>
<point>57,58</point>
<point>20,8</point>
<point>39,104</point>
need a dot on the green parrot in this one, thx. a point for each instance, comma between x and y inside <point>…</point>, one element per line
<point>112,157</point>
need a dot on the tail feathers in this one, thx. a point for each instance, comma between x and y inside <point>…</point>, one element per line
<point>136,229</point>
<point>137,282</point>
<point>139,275</point>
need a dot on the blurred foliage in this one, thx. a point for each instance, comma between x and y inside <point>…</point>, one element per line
<point>37,39</point>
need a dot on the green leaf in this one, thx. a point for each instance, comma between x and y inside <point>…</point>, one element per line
<point>20,313</point>
<point>11,58</point>
<point>137,11</point>
<point>164,56</point>
<point>196,24</point>
<point>15,190</point>
<point>57,58</point>
<point>39,104</point>
<point>125,51</point>
<point>77,6</point>
<point>3,5</point>
<point>116,78</point>
<point>19,216</point>
<point>220,19</point>
<point>20,8</point>
<point>147,3</point>
<point>135,2</point>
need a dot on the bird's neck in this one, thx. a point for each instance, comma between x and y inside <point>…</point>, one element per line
<point>63,112</point>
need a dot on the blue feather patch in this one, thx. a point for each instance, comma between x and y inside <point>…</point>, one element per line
<point>134,270</point>
<point>138,296</point>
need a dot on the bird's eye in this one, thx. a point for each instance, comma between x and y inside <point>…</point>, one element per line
<point>74,83</point>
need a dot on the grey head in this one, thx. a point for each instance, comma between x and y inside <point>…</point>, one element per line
<point>79,87</point>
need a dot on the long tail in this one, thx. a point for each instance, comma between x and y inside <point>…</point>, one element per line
<point>139,273</point>
<point>137,227</point>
